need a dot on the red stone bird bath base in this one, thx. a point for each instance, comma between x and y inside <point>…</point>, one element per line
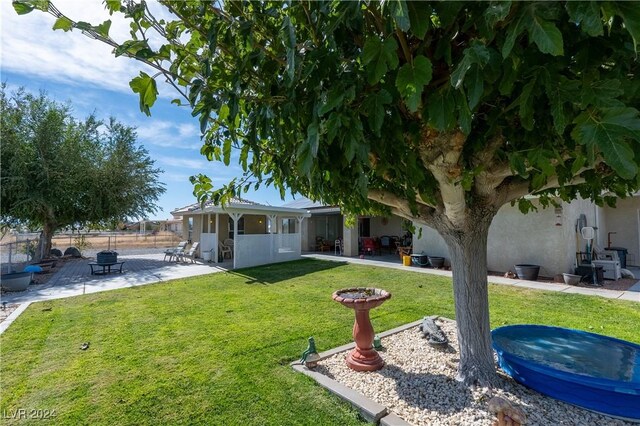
<point>364,357</point>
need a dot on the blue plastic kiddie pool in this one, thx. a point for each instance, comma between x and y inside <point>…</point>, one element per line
<point>592,371</point>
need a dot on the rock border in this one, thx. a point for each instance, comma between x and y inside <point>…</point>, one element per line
<point>368,408</point>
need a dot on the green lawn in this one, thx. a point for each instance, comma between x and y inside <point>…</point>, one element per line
<point>215,349</point>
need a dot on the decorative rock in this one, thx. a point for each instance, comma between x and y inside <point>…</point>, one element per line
<point>73,252</point>
<point>418,385</point>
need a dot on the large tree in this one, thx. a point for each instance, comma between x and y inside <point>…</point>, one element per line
<point>58,171</point>
<point>439,112</point>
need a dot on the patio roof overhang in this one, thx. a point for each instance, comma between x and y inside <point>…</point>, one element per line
<point>242,208</point>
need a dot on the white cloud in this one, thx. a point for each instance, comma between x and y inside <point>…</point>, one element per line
<point>30,47</point>
<point>184,163</point>
<point>176,177</point>
<point>169,134</point>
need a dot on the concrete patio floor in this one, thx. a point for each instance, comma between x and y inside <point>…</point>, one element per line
<point>392,261</point>
<point>74,278</point>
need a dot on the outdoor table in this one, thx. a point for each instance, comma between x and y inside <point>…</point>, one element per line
<point>106,267</point>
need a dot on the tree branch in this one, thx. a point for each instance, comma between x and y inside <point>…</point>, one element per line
<point>441,153</point>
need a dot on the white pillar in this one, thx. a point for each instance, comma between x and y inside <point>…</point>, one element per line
<point>215,246</point>
<point>236,217</point>
<point>350,240</point>
<point>300,220</point>
<point>273,223</point>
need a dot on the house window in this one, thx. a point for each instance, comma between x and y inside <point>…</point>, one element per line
<point>240,227</point>
<point>288,226</point>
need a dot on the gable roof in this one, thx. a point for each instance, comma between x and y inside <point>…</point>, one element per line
<point>238,205</point>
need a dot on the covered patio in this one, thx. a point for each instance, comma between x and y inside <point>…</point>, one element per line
<point>245,232</point>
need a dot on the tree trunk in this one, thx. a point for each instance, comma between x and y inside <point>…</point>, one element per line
<point>44,247</point>
<point>468,251</point>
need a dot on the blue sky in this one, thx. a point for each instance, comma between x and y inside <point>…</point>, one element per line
<point>71,67</point>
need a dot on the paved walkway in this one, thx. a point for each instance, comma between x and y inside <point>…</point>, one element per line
<point>74,277</point>
<point>140,269</point>
<point>392,262</point>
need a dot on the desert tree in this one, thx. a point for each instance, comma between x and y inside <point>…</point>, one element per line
<point>439,112</point>
<point>59,171</point>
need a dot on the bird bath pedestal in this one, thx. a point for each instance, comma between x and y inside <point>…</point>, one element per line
<point>364,357</point>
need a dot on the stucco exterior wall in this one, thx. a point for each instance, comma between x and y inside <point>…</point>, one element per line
<point>393,226</point>
<point>429,242</point>
<point>224,227</point>
<point>197,228</point>
<point>624,221</point>
<point>255,224</point>
<point>546,237</point>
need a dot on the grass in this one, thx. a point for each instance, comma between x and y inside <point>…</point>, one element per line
<point>215,349</point>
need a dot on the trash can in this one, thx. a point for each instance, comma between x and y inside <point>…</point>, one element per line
<point>206,255</point>
<point>406,260</point>
<point>622,255</point>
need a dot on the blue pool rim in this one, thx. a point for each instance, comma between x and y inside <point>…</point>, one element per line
<point>608,396</point>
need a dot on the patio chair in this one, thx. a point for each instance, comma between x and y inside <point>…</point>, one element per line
<point>386,242</point>
<point>322,244</point>
<point>369,245</point>
<point>191,254</point>
<point>175,252</point>
<point>225,250</point>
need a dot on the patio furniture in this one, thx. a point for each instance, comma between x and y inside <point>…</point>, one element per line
<point>228,242</point>
<point>225,250</point>
<point>370,245</point>
<point>337,248</point>
<point>191,254</point>
<point>106,267</point>
<point>386,243</point>
<point>404,251</point>
<point>322,244</point>
<point>175,252</point>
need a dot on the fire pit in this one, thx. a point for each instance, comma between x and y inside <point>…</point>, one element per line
<point>106,256</point>
<point>362,299</point>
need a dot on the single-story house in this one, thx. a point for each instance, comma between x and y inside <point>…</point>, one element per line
<point>327,223</point>
<point>261,234</point>
<point>547,237</point>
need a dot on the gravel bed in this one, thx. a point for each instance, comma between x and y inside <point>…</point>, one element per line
<point>7,309</point>
<point>418,384</point>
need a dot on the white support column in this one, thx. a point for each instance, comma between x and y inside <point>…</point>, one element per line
<point>273,223</point>
<point>300,219</point>
<point>236,217</point>
<point>350,236</point>
<point>217,243</point>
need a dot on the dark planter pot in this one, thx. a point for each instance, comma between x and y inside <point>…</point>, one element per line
<point>528,272</point>
<point>17,281</point>
<point>104,257</point>
<point>420,260</point>
<point>436,262</point>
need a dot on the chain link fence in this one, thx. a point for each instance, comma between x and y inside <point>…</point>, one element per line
<point>20,249</point>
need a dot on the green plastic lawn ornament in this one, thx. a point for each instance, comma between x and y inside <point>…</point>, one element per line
<point>310,356</point>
